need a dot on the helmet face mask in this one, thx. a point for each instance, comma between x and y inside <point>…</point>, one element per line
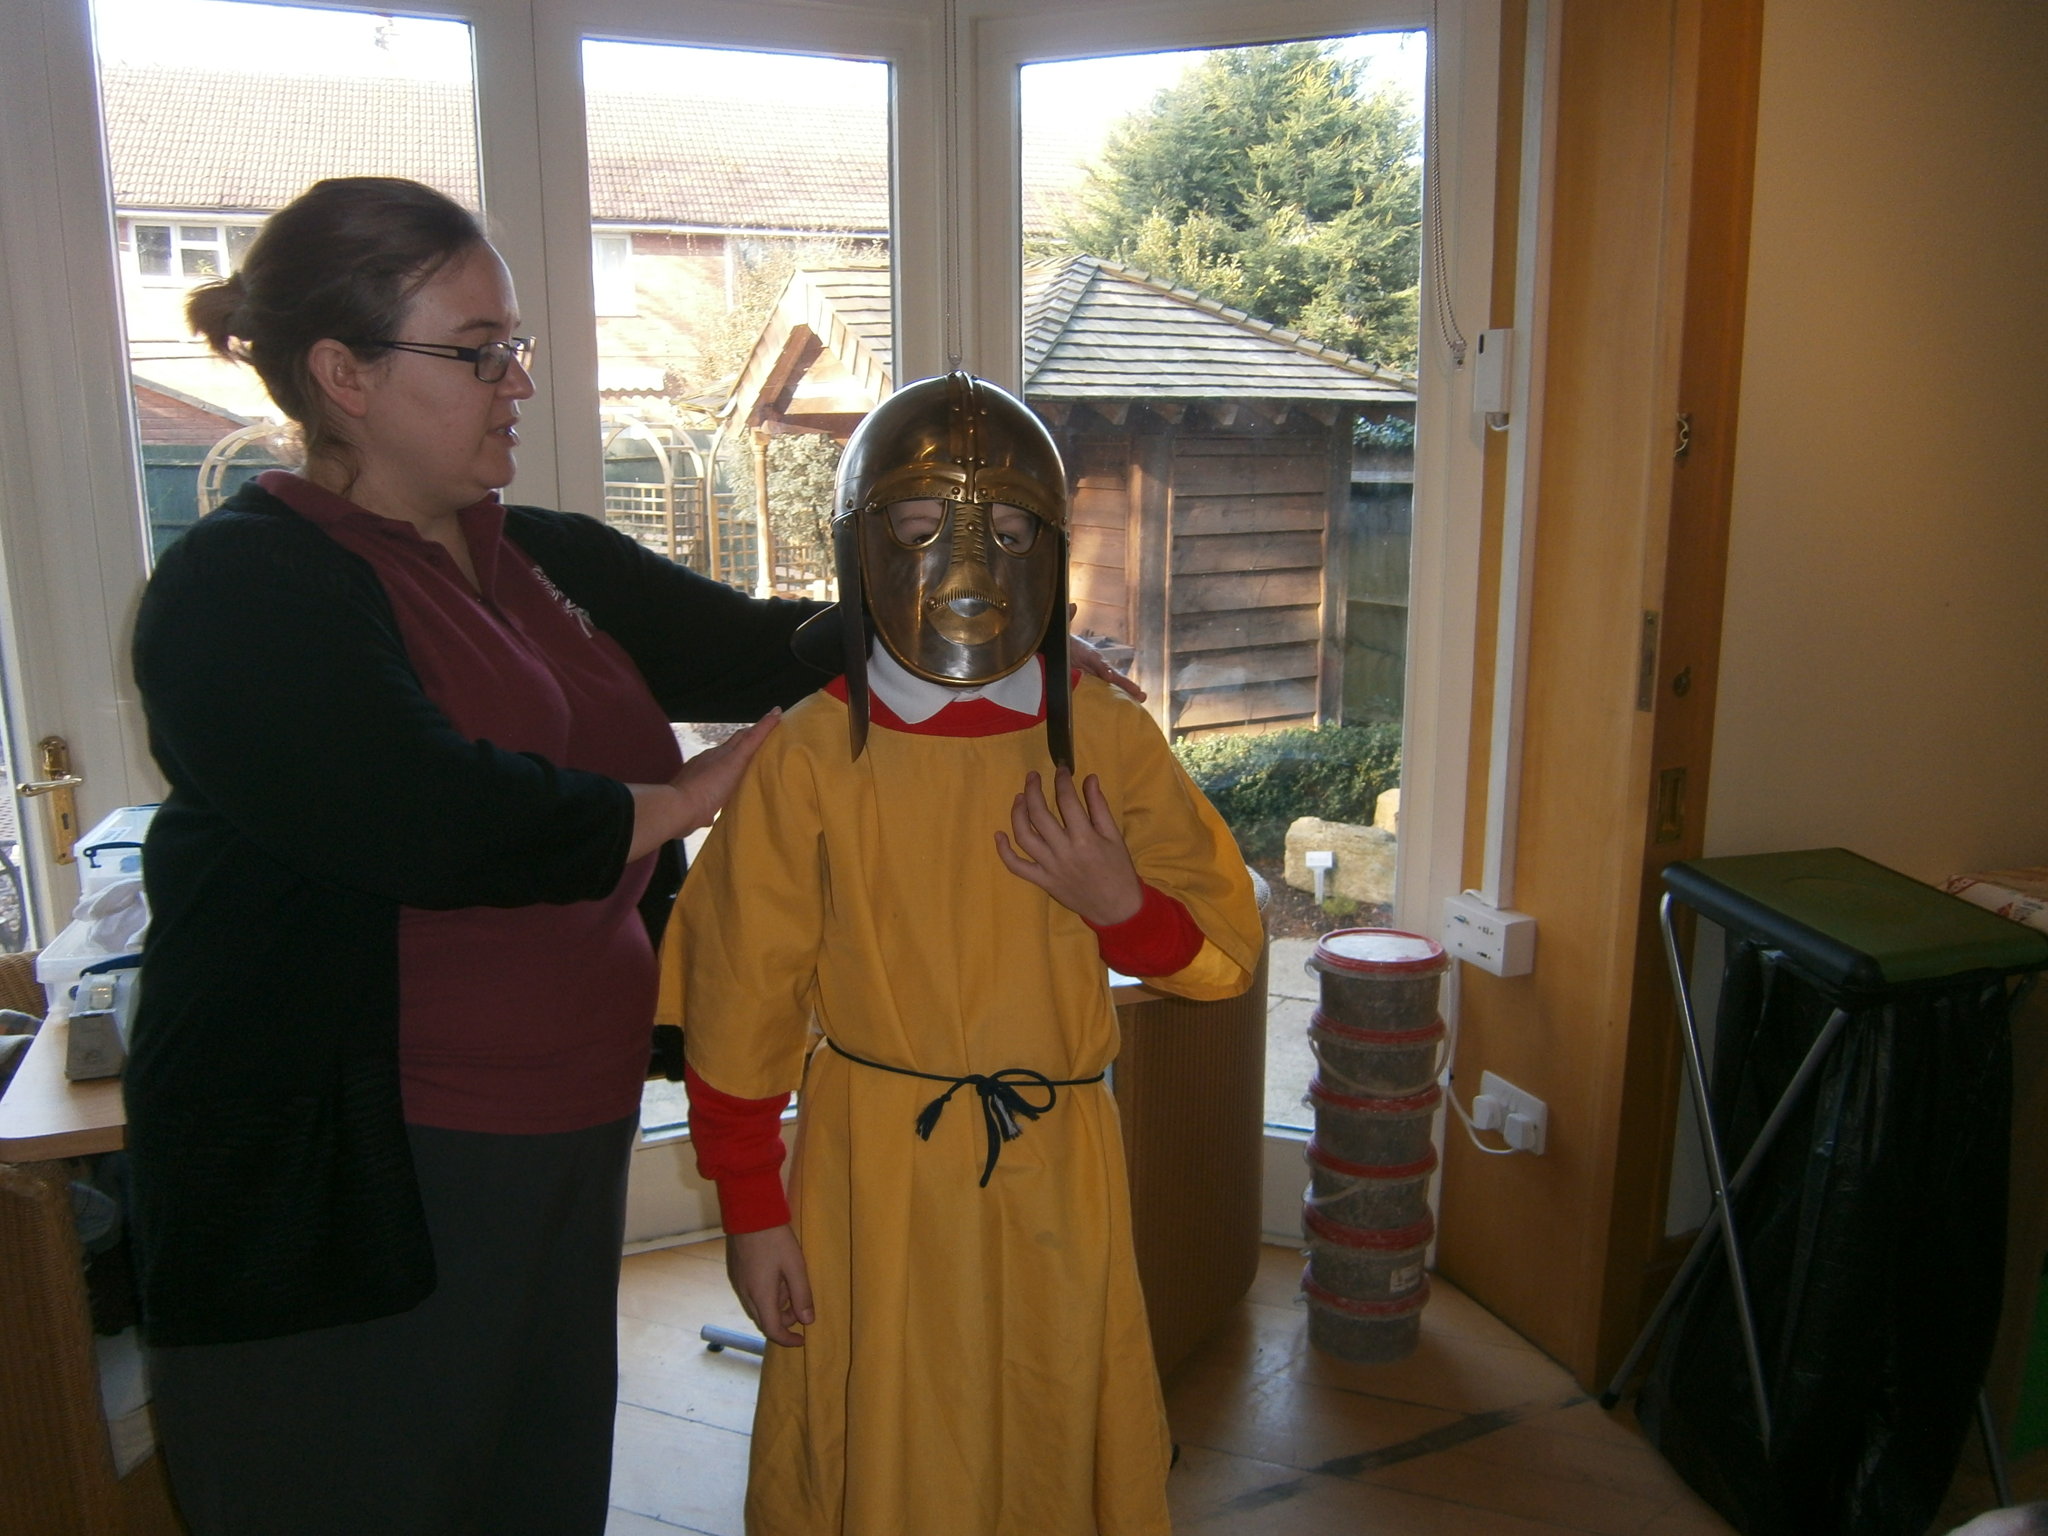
<point>950,534</point>
<point>960,592</point>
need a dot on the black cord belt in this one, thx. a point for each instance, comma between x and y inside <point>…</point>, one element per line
<point>1001,1093</point>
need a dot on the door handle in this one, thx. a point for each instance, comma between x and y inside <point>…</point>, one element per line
<point>59,786</point>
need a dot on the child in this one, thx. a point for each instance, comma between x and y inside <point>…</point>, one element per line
<point>918,929</point>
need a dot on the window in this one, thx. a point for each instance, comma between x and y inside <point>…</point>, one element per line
<point>204,425</point>
<point>611,271</point>
<point>1223,341</point>
<point>759,185</point>
<point>189,253</point>
<point>947,244</point>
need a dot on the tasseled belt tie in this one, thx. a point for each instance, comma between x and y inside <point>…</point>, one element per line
<point>1002,1096</point>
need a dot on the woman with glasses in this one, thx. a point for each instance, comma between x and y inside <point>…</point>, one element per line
<point>398,985</point>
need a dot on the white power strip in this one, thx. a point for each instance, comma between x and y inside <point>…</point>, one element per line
<point>1492,939</point>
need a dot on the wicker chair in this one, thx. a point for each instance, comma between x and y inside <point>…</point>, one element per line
<point>19,988</point>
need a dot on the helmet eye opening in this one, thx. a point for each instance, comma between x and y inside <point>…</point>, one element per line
<point>1015,529</point>
<point>917,523</point>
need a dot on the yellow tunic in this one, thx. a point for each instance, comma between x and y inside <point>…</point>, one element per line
<point>980,1364</point>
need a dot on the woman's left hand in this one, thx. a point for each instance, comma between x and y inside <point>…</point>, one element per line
<point>1090,660</point>
<point>694,796</point>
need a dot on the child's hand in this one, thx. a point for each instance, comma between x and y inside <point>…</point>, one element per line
<point>1075,855</point>
<point>768,1275</point>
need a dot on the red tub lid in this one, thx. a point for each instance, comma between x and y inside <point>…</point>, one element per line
<point>1384,1239</point>
<point>1432,1031</point>
<point>1425,1164</point>
<point>1386,952</point>
<point>1428,1099</point>
<point>1354,1308</point>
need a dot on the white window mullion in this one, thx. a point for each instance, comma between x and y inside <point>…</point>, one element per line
<point>509,154</point>
<point>70,499</point>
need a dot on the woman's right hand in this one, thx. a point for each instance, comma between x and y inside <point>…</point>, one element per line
<point>689,800</point>
<point>768,1275</point>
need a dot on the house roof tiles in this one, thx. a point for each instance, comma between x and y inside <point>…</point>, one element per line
<point>210,140</point>
<point>207,140</point>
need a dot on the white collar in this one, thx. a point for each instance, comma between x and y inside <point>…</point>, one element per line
<point>915,701</point>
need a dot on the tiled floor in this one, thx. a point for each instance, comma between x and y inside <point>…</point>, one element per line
<point>1477,1432</point>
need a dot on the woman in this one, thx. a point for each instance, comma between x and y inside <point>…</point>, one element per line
<point>398,987</point>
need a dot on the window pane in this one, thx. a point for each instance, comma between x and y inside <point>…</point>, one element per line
<point>750,181</point>
<point>1220,328</point>
<point>611,265</point>
<point>153,250</point>
<point>210,116</point>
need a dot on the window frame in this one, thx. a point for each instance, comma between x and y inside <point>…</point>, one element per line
<point>177,227</point>
<point>72,542</point>
<point>1450,445</point>
<point>613,293</point>
<point>1451,441</point>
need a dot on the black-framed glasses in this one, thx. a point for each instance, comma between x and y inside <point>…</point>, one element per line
<point>492,360</point>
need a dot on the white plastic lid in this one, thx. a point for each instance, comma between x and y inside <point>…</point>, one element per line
<point>1380,952</point>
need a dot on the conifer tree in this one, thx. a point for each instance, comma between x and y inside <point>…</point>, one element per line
<point>1267,178</point>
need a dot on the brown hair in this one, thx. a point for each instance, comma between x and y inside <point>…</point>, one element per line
<point>342,261</point>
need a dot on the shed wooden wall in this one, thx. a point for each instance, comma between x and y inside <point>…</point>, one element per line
<point>1100,472</point>
<point>1214,554</point>
<point>1248,568</point>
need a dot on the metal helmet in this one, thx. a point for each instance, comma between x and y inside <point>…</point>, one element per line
<point>949,531</point>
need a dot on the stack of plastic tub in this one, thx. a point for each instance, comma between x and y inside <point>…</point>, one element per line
<point>1379,1046</point>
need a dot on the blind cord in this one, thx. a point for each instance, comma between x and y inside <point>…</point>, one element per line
<point>1440,288</point>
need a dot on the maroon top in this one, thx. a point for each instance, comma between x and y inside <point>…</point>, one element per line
<point>515,1019</point>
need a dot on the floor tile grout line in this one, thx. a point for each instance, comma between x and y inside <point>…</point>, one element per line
<point>667,1525</point>
<point>1282,1489</point>
<point>1460,1431</point>
<point>1346,1390</point>
<point>1472,1426</point>
<point>744,1434</point>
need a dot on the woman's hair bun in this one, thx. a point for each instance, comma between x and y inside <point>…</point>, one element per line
<point>215,310</point>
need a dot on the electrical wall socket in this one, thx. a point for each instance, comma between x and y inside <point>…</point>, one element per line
<point>1525,1119</point>
<point>1492,939</point>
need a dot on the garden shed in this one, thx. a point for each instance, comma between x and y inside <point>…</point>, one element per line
<point>1212,463</point>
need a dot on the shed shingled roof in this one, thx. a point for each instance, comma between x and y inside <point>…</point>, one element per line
<point>1094,330</point>
<point>213,141</point>
<point>859,297</point>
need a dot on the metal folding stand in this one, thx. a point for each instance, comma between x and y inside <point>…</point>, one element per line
<point>1856,927</point>
<point>1719,1229</point>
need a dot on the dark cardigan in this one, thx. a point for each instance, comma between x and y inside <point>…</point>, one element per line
<point>314,789</point>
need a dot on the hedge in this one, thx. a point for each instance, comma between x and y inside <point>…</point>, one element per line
<point>1260,783</point>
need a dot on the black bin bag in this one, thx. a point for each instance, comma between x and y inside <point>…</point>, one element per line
<point>1873,1237</point>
